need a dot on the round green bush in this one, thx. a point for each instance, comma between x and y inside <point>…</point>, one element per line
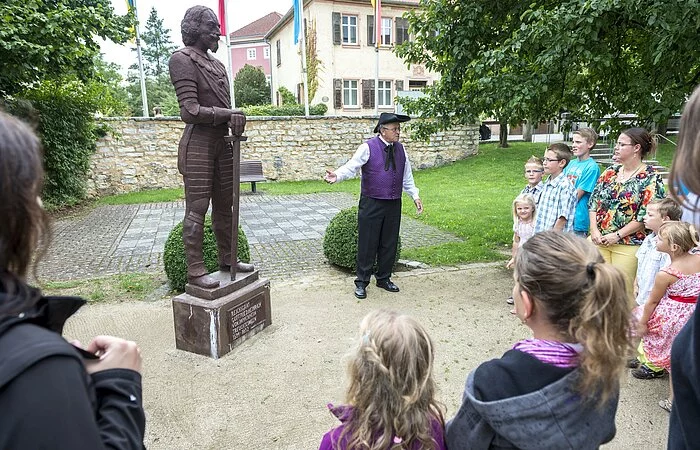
<point>340,241</point>
<point>174,254</point>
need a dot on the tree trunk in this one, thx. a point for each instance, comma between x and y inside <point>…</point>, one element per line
<point>503,133</point>
<point>662,128</point>
<point>528,128</point>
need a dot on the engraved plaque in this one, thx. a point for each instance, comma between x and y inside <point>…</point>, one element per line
<point>246,317</point>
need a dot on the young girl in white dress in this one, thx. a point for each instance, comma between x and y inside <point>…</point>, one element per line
<point>524,210</point>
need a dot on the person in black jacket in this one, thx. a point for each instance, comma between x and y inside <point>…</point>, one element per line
<point>52,394</point>
<point>684,185</point>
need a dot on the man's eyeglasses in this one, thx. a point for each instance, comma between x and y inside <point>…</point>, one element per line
<point>398,128</point>
<point>549,160</point>
<point>533,171</point>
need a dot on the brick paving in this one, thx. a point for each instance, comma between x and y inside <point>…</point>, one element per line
<point>285,234</point>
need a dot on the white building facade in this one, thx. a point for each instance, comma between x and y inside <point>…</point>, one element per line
<point>344,34</point>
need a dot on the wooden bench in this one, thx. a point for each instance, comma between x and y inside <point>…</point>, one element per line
<point>252,172</point>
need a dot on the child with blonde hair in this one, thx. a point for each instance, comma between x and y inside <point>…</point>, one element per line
<point>673,298</point>
<point>390,403</point>
<point>524,210</point>
<point>534,170</point>
<point>560,388</point>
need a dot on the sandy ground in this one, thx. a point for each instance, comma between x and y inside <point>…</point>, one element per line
<point>271,392</point>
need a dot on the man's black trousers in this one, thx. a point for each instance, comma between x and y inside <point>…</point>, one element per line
<point>379,222</point>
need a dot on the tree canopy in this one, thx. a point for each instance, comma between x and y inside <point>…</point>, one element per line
<point>44,39</point>
<point>157,45</point>
<point>533,60</point>
<point>251,87</point>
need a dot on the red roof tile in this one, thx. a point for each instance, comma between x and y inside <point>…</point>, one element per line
<point>259,27</point>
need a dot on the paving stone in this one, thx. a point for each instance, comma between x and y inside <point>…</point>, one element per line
<point>285,234</point>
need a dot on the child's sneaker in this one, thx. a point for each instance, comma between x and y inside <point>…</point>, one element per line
<point>510,300</point>
<point>666,404</point>
<point>633,363</point>
<point>645,373</point>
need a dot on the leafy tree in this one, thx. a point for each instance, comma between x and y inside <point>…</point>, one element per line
<point>251,86</point>
<point>42,39</point>
<point>516,60</point>
<point>111,97</point>
<point>288,97</point>
<point>159,90</point>
<point>157,46</point>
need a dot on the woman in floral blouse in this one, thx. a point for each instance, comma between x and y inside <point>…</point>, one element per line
<point>619,201</point>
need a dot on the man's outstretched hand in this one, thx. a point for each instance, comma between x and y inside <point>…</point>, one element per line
<point>330,177</point>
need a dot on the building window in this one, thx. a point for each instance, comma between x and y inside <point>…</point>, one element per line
<point>266,53</point>
<point>252,54</point>
<point>414,85</point>
<point>349,29</point>
<point>385,98</point>
<point>401,30</point>
<point>386,31</point>
<point>350,94</point>
<point>279,53</point>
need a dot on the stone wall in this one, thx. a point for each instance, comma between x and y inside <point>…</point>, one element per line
<point>141,153</point>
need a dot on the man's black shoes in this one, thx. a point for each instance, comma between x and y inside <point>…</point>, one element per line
<point>388,286</point>
<point>360,292</point>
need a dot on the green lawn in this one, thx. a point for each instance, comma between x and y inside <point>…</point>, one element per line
<point>470,198</point>
<point>665,152</point>
<point>151,196</point>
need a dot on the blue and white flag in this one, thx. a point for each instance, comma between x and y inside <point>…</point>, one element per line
<point>298,19</point>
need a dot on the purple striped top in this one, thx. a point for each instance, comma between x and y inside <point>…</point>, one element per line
<point>558,354</point>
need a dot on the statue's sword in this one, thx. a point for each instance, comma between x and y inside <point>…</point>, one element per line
<point>235,143</point>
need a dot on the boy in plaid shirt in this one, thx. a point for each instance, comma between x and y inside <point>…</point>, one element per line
<point>555,208</point>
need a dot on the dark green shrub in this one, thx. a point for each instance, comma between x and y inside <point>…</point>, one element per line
<point>284,110</point>
<point>63,112</point>
<point>174,254</point>
<point>340,240</point>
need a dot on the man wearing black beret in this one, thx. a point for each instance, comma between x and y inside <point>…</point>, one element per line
<point>386,173</point>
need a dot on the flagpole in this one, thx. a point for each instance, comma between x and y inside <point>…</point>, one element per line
<point>299,29</point>
<point>303,62</point>
<point>223,11</point>
<point>144,98</point>
<point>378,25</point>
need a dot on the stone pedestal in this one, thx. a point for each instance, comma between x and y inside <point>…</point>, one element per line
<point>212,322</point>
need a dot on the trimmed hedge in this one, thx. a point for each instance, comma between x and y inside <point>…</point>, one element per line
<point>284,110</point>
<point>174,254</point>
<point>340,240</point>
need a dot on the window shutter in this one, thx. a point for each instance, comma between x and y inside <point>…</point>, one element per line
<point>279,54</point>
<point>370,30</point>
<point>399,85</point>
<point>336,29</point>
<point>368,94</point>
<point>337,93</point>
<point>401,30</point>
<point>365,93</point>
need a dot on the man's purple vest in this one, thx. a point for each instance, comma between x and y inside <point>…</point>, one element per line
<point>377,182</point>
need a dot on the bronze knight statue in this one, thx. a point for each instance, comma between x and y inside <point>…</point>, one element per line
<point>204,158</point>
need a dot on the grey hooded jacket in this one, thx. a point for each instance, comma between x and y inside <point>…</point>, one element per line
<point>553,417</point>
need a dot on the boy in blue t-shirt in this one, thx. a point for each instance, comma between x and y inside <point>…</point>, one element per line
<point>583,172</point>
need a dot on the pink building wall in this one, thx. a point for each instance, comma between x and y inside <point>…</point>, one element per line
<point>239,58</point>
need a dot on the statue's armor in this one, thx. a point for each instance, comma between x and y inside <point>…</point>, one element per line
<point>204,159</point>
